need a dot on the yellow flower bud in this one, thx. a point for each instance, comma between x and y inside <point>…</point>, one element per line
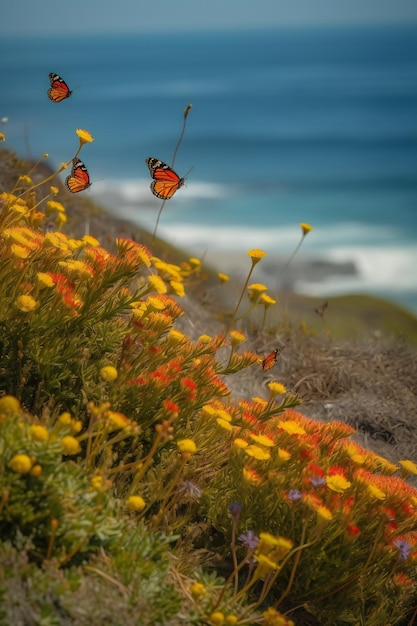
<point>9,405</point>
<point>38,432</point>
<point>108,372</point>
<point>21,463</point>
<point>70,445</point>
<point>36,470</point>
<point>198,590</point>
<point>135,503</point>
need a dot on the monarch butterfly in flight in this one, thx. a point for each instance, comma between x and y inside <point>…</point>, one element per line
<point>166,181</point>
<point>79,178</point>
<point>270,360</point>
<point>59,89</point>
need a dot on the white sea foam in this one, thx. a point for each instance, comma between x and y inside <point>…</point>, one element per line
<point>133,192</point>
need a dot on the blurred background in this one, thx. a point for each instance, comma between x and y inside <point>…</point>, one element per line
<point>302,112</point>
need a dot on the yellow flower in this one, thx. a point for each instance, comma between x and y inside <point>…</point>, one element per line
<point>70,445</point>
<point>273,618</point>
<point>38,432</point>
<point>135,503</point>
<point>231,620</point>
<point>263,440</point>
<point>283,454</point>
<point>255,290</point>
<point>223,415</point>
<point>44,280</point>
<point>337,483</point>
<point>117,419</point>
<point>224,424</point>
<point>195,262</point>
<point>256,255</point>
<point>408,467</point>
<point>291,427</point>
<point>205,339</point>
<point>324,513</point>
<point>64,419</point>
<point>155,304</point>
<point>376,493</point>
<point>97,482</point>
<point>54,191</point>
<point>198,590</point>
<point>251,476</point>
<point>176,335</point>
<point>236,337</point>
<point>84,136</point>
<point>88,240</point>
<point>276,389</point>
<point>187,447</point>
<point>76,426</point>
<point>157,284</point>
<point>177,288</point>
<point>209,409</point>
<point>108,372</point>
<point>240,443</point>
<point>9,405</point>
<point>26,303</point>
<point>52,206</point>
<point>19,252</point>
<point>21,463</point>
<point>265,564</point>
<point>266,300</point>
<point>224,278</point>
<point>257,453</point>
<point>217,618</point>
<point>306,228</point>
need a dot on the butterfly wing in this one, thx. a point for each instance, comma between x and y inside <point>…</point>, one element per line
<point>270,360</point>
<point>79,178</point>
<point>166,182</point>
<point>59,89</point>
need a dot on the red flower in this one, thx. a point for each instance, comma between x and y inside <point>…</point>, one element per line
<point>352,529</point>
<point>171,407</point>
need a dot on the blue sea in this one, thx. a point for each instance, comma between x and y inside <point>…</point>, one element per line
<point>287,126</point>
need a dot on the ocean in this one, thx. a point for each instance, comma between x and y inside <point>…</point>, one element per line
<point>287,126</point>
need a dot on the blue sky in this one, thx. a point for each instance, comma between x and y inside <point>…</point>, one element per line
<point>22,17</point>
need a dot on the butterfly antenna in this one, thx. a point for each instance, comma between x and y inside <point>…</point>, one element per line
<point>186,112</point>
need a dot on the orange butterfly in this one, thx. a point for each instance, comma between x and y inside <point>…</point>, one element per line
<point>59,89</point>
<point>79,178</point>
<point>166,181</point>
<point>270,360</point>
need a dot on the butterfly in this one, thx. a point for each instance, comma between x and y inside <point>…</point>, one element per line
<point>79,179</point>
<point>166,181</point>
<point>59,89</point>
<point>270,360</point>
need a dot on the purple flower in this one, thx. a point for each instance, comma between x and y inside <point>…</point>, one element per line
<point>318,481</point>
<point>404,548</point>
<point>249,539</point>
<point>294,495</point>
<point>235,509</point>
